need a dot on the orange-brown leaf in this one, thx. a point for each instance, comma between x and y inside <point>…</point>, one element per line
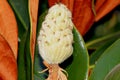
<point>103,7</point>
<point>83,16</point>
<point>99,4</point>
<point>52,2</point>
<point>33,6</point>
<point>8,64</point>
<point>8,26</point>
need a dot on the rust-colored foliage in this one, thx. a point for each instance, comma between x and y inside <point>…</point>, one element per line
<point>103,7</point>
<point>83,16</point>
<point>8,64</point>
<point>8,26</point>
<point>33,7</point>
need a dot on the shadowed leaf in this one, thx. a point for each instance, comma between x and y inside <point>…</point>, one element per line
<point>103,7</point>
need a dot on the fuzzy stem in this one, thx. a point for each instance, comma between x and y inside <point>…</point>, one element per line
<point>55,72</point>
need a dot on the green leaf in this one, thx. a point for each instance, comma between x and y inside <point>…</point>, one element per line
<point>21,60</point>
<point>96,43</point>
<point>76,65</point>
<point>21,9</point>
<point>103,31</point>
<point>38,65</point>
<point>114,74</point>
<point>78,69</point>
<point>109,59</point>
<point>98,52</point>
<point>28,59</point>
<point>24,56</point>
<point>43,6</point>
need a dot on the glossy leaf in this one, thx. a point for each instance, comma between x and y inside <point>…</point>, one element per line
<point>8,26</point>
<point>24,58</point>
<point>8,63</point>
<point>38,62</point>
<point>78,68</point>
<point>106,62</point>
<point>21,9</point>
<point>28,58</point>
<point>98,52</point>
<point>76,65</point>
<point>21,61</point>
<point>114,74</point>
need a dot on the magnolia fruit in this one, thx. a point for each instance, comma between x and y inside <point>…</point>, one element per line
<point>55,36</point>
